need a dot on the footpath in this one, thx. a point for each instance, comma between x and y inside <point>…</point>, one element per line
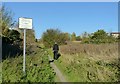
<point>58,72</point>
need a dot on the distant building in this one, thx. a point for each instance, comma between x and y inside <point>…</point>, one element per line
<point>115,34</point>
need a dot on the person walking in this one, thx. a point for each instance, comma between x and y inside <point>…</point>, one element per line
<point>55,50</point>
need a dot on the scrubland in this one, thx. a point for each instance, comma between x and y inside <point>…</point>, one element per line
<point>89,62</point>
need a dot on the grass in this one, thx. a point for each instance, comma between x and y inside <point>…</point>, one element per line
<point>51,54</point>
<point>83,69</point>
<point>89,62</point>
<point>105,52</point>
<point>78,63</point>
<point>37,68</point>
<point>57,79</point>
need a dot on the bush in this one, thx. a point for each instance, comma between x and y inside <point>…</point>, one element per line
<point>11,44</point>
<point>53,35</point>
<point>37,69</point>
<point>98,37</point>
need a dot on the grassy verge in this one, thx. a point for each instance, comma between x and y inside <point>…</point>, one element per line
<point>88,65</point>
<point>83,69</point>
<point>37,68</point>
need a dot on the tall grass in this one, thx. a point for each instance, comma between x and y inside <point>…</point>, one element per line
<point>97,51</point>
<point>89,62</point>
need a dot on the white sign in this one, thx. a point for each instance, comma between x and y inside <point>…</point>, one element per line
<point>25,23</point>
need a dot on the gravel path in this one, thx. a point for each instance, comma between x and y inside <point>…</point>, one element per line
<point>58,72</point>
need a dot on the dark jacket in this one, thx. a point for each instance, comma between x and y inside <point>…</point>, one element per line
<point>55,47</point>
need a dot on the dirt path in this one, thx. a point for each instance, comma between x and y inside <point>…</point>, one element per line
<point>58,72</point>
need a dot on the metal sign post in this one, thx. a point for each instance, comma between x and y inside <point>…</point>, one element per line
<point>24,50</point>
<point>25,23</point>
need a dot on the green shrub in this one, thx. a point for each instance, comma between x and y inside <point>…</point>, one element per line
<point>53,35</point>
<point>37,69</point>
<point>98,37</point>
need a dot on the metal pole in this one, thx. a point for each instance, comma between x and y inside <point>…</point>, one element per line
<point>24,50</point>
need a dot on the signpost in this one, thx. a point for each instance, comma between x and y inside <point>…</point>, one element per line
<point>25,23</point>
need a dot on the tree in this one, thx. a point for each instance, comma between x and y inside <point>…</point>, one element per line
<point>6,23</point>
<point>14,36</point>
<point>101,36</point>
<point>73,36</point>
<point>78,38</point>
<point>30,36</point>
<point>6,20</point>
<point>67,36</point>
<point>50,36</point>
<point>6,32</point>
<point>62,38</point>
<point>9,36</point>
